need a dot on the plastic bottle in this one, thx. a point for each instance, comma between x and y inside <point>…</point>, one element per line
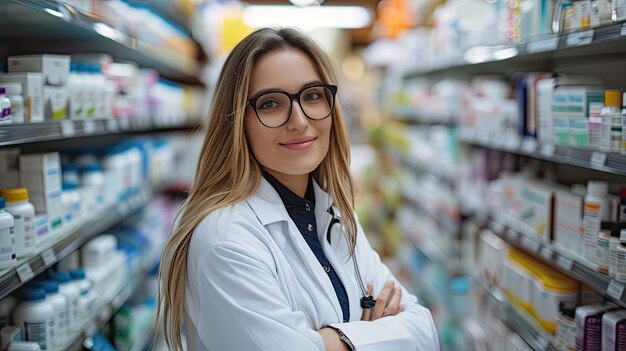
<point>35,316</point>
<point>613,245</point>
<point>70,198</point>
<point>85,299</point>
<point>15,95</point>
<point>114,168</point>
<point>71,293</point>
<point>7,238</point>
<point>24,214</point>
<point>59,302</point>
<point>602,249</point>
<point>76,92</point>
<point>5,108</point>
<point>93,178</point>
<point>596,209</point>
<point>611,121</point>
<point>89,91</point>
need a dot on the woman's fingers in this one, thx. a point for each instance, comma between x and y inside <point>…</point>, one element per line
<point>383,300</point>
<point>393,307</point>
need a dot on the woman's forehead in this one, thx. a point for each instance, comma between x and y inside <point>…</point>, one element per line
<point>285,69</point>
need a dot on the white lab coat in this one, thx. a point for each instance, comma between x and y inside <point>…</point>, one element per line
<point>254,284</point>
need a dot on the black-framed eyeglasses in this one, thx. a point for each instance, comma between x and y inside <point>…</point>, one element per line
<point>273,108</point>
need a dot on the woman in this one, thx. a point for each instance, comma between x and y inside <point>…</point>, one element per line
<point>257,262</point>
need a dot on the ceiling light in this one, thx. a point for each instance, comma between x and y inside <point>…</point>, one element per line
<point>306,2</point>
<point>307,17</point>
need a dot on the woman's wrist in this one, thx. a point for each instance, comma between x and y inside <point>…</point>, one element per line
<point>335,339</point>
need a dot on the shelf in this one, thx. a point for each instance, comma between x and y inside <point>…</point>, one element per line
<point>35,26</point>
<point>18,134</point>
<point>604,44</point>
<point>67,240</point>
<point>440,218</point>
<point>570,265</point>
<point>421,166</point>
<point>412,115</point>
<point>589,159</point>
<point>519,321</point>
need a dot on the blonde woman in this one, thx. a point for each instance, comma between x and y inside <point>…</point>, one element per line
<point>268,253</point>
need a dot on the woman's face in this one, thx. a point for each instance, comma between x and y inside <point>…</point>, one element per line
<point>297,147</point>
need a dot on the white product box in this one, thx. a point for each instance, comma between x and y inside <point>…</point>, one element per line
<point>55,68</point>
<point>40,182</point>
<point>33,93</point>
<point>568,226</point>
<point>39,162</point>
<point>51,205</point>
<point>589,325</point>
<point>613,330</point>
<point>55,102</point>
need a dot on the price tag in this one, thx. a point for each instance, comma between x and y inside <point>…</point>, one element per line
<point>580,38</point>
<point>565,263</point>
<point>112,125</point>
<point>89,127</point>
<point>542,45</point>
<point>615,290</point>
<point>546,253</point>
<point>25,273</point>
<point>49,257</point>
<point>530,244</point>
<point>598,158</point>
<point>512,235</point>
<point>67,128</point>
<point>623,30</point>
<point>547,150</point>
<point>529,145</point>
<point>512,143</point>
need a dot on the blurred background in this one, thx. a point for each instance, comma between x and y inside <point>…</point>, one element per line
<point>487,146</point>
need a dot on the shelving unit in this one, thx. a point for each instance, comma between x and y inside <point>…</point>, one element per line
<point>35,26</point>
<point>565,262</point>
<point>597,45</point>
<point>18,134</point>
<point>67,241</point>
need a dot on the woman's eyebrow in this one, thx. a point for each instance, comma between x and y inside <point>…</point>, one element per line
<point>267,90</point>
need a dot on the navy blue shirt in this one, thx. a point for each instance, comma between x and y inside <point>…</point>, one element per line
<point>302,212</point>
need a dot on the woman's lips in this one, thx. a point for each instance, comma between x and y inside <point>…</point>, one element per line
<point>299,145</point>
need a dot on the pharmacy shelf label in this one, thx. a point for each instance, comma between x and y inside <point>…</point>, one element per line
<point>49,257</point>
<point>25,272</point>
<point>598,158</point>
<point>529,145</point>
<point>530,244</point>
<point>112,125</point>
<point>622,31</point>
<point>579,38</point>
<point>615,289</point>
<point>547,150</point>
<point>565,263</point>
<point>544,45</point>
<point>89,127</point>
<point>67,128</point>
<point>546,253</point>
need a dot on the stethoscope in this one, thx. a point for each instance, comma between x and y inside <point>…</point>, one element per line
<point>367,301</point>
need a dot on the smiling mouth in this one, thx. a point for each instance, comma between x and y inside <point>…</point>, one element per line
<point>298,145</point>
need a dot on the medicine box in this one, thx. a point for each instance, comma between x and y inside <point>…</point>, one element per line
<point>613,330</point>
<point>55,68</point>
<point>38,162</point>
<point>33,93</point>
<point>569,222</point>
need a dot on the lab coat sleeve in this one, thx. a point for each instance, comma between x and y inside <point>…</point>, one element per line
<point>243,306</point>
<point>411,330</point>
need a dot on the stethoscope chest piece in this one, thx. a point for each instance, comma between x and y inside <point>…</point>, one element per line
<point>368,302</point>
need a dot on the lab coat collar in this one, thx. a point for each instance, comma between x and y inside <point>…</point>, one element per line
<point>269,207</point>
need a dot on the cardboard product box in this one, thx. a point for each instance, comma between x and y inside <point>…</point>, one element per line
<point>55,68</point>
<point>38,162</point>
<point>55,102</point>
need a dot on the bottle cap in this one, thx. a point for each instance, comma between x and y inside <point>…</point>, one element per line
<point>69,185</point>
<point>597,187</point>
<point>78,274</point>
<point>14,195</point>
<point>50,286</point>
<point>62,277</point>
<point>2,203</point>
<point>34,294</point>
<point>92,167</point>
<point>613,98</point>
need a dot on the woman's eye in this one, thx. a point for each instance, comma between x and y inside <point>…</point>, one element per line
<point>312,96</point>
<point>267,105</point>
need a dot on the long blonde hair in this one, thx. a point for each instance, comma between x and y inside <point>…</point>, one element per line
<point>227,172</point>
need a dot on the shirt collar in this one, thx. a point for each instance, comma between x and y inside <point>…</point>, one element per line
<point>289,198</point>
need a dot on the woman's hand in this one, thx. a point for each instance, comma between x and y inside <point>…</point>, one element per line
<point>387,303</point>
<point>332,341</point>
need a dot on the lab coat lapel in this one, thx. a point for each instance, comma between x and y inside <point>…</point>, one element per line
<point>270,210</point>
<point>337,251</point>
